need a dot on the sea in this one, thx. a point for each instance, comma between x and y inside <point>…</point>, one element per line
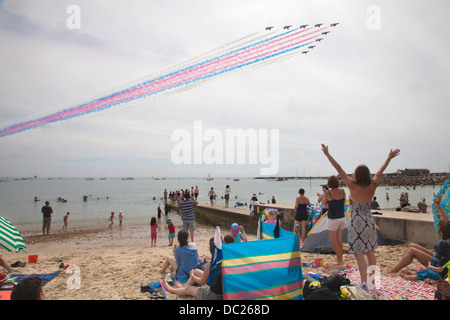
<point>138,198</point>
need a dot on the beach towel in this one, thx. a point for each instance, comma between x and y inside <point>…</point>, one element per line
<point>272,231</point>
<point>155,290</point>
<point>268,269</point>
<point>11,280</point>
<point>45,277</point>
<point>445,203</point>
<point>391,288</point>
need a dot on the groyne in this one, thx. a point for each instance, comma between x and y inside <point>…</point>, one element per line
<point>394,225</point>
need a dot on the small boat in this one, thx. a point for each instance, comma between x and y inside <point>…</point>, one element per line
<point>209,178</point>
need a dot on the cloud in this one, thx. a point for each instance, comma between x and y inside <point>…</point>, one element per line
<point>361,91</point>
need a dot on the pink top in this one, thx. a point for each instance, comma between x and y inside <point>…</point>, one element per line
<point>153,229</point>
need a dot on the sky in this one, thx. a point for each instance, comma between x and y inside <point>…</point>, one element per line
<point>379,81</point>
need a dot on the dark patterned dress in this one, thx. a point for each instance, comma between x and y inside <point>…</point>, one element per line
<point>362,235</point>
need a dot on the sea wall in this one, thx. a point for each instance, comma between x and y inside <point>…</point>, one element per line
<point>407,227</point>
<point>394,225</point>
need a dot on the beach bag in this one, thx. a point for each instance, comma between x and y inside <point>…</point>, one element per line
<point>322,293</point>
<point>358,293</point>
<point>335,281</point>
<point>442,290</point>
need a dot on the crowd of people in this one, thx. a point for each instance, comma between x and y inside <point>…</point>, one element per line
<point>201,279</point>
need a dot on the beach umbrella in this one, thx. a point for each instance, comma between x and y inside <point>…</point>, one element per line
<point>10,238</point>
<point>445,203</point>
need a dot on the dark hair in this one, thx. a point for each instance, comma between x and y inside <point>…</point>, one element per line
<point>183,236</point>
<point>444,229</point>
<point>333,182</point>
<point>301,191</point>
<point>362,176</point>
<point>228,239</point>
<point>153,221</point>
<point>187,195</point>
<point>28,289</point>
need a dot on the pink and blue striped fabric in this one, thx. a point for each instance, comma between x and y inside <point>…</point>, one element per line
<point>263,270</point>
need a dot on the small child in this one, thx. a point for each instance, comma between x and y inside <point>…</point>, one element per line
<point>171,229</point>
<point>271,217</point>
<point>238,233</point>
<point>66,217</point>
<point>120,218</point>
<point>153,231</point>
<point>111,220</point>
<point>428,274</point>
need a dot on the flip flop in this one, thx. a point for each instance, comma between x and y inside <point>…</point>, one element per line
<point>18,264</point>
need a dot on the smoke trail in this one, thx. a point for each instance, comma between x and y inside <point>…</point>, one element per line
<point>238,55</point>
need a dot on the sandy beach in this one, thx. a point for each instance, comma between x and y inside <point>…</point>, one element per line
<point>114,262</point>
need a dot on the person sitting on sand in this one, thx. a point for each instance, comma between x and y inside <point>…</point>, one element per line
<point>185,258</point>
<point>204,291</point>
<point>441,252</point>
<point>428,274</point>
<point>5,265</point>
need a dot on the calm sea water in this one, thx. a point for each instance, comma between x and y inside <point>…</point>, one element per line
<point>135,197</point>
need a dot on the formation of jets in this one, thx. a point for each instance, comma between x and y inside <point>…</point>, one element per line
<point>303,26</point>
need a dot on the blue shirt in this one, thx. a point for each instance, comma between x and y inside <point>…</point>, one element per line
<point>186,258</point>
<point>187,208</point>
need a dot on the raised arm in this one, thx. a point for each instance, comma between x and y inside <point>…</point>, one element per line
<point>392,154</point>
<point>336,165</point>
<point>437,202</point>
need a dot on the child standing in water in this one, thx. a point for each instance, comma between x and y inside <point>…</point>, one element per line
<point>153,231</point>
<point>65,220</point>
<point>120,218</point>
<point>111,220</point>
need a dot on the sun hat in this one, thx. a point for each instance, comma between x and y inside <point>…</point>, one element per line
<point>234,229</point>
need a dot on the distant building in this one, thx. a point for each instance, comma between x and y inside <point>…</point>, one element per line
<point>413,172</point>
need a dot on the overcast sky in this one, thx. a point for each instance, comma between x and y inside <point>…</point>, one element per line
<point>379,81</point>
